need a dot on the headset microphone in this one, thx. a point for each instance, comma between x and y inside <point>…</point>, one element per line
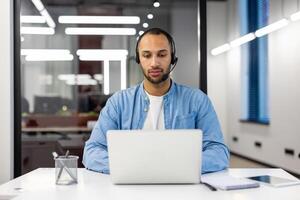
<point>166,75</point>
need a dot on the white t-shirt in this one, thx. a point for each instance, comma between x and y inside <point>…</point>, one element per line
<point>155,115</point>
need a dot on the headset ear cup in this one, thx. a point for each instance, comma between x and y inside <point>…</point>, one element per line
<point>137,58</point>
<point>173,57</point>
<point>174,60</point>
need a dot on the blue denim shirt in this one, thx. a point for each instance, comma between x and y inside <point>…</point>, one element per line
<point>184,108</point>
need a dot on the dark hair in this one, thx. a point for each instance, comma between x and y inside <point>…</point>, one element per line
<point>157,31</point>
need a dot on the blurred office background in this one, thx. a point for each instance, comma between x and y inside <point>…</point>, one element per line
<point>74,54</point>
<point>66,75</point>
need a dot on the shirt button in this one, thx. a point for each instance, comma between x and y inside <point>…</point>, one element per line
<point>145,109</point>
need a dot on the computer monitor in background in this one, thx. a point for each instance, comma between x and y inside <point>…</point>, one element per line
<point>88,102</point>
<point>47,104</point>
<point>24,105</point>
<point>97,101</point>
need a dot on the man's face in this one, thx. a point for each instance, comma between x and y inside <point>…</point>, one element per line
<point>155,57</point>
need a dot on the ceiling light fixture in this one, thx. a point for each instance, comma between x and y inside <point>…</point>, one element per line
<point>47,54</point>
<point>98,77</point>
<point>145,25</point>
<point>100,31</point>
<point>99,19</point>
<point>38,4</point>
<point>156,4</point>
<point>150,16</point>
<point>25,52</point>
<point>258,33</point>
<point>41,8</point>
<point>48,18</point>
<point>272,27</point>
<point>33,19</point>
<point>106,55</point>
<point>50,57</point>
<point>102,54</point>
<point>82,82</point>
<point>37,30</point>
<point>64,77</point>
<point>242,40</point>
<point>220,49</point>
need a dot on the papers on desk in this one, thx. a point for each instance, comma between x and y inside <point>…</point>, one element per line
<point>227,182</point>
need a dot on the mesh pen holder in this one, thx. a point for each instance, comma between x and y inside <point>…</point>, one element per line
<point>66,170</point>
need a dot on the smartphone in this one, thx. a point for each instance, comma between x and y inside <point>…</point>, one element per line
<point>274,181</point>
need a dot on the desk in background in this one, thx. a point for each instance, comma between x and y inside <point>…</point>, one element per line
<point>69,129</point>
<point>40,184</point>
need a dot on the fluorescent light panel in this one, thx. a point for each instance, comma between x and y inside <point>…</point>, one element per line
<point>25,52</point>
<point>99,20</point>
<point>100,58</point>
<point>101,54</point>
<point>38,4</point>
<point>82,82</point>
<point>260,32</point>
<point>33,19</point>
<point>48,18</point>
<point>272,27</point>
<point>65,77</point>
<point>50,57</point>
<point>47,54</point>
<point>106,52</point>
<point>242,40</point>
<point>295,16</point>
<point>98,77</point>
<point>37,31</point>
<point>41,8</point>
<point>220,49</point>
<point>100,31</point>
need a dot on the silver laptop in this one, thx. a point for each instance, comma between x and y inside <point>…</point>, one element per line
<point>155,157</point>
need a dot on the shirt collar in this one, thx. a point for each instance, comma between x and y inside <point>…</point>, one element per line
<point>170,92</point>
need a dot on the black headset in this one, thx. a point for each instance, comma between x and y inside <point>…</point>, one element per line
<point>157,31</point>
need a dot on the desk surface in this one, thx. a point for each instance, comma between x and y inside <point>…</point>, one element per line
<point>39,184</point>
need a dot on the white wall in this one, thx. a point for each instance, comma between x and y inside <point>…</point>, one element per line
<point>217,28</point>
<point>6,105</point>
<point>284,95</point>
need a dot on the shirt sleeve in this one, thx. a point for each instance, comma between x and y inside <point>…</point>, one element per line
<point>215,156</point>
<point>95,154</point>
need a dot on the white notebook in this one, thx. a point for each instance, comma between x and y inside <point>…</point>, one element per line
<point>227,182</point>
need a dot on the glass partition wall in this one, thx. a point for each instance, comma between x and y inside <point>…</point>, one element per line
<point>74,54</point>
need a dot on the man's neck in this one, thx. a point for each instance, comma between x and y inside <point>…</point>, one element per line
<point>157,89</point>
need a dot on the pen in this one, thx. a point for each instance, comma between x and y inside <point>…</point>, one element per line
<point>62,167</point>
<point>212,188</point>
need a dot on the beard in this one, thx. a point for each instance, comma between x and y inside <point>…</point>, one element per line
<point>159,80</point>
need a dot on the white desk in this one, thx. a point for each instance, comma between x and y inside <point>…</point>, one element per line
<point>39,184</point>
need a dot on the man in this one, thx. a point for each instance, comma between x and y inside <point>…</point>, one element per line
<point>158,103</point>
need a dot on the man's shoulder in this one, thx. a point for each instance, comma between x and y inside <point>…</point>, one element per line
<point>188,90</point>
<point>126,93</point>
